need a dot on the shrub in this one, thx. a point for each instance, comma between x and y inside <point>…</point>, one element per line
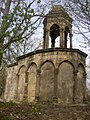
<point>36,109</point>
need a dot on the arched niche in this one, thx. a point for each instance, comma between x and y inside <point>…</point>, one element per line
<point>32,74</point>
<point>65,82</point>
<point>54,33</point>
<point>81,83</point>
<point>47,82</point>
<point>21,83</point>
<point>67,38</point>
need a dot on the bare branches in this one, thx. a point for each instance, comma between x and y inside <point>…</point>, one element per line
<point>80,11</point>
<point>17,24</point>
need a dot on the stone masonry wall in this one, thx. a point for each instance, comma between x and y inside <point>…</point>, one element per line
<point>47,75</point>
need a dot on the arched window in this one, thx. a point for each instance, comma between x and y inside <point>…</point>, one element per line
<point>54,33</point>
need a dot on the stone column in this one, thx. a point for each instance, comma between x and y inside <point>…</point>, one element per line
<point>70,35</point>
<point>44,38</point>
<point>75,87</point>
<point>84,85</point>
<point>17,97</point>
<point>55,85</point>
<point>43,41</point>
<point>46,41</point>
<point>26,87</point>
<point>61,37</point>
<point>26,91</point>
<point>37,96</point>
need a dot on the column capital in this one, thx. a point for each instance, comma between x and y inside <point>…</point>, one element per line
<point>38,71</point>
<point>71,35</point>
<point>17,74</point>
<point>47,30</point>
<point>84,75</point>
<point>75,72</point>
<point>61,29</point>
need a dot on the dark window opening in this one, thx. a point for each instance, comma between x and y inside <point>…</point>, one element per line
<point>54,33</point>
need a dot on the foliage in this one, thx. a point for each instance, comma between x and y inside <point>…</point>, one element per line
<point>17,24</point>
<point>35,109</point>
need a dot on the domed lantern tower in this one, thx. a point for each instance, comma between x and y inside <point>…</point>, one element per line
<point>57,23</point>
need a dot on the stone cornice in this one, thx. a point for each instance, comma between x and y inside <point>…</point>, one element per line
<point>52,50</point>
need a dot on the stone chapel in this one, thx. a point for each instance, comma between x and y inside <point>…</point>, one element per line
<point>55,73</point>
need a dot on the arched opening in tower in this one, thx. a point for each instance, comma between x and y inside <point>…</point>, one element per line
<point>67,38</point>
<point>54,34</point>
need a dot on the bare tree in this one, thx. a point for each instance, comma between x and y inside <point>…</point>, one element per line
<point>17,23</point>
<point>21,48</point>
<point>81,15</point>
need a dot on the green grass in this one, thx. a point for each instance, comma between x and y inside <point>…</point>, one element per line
<point>6,118</point>
<point>6,104</point>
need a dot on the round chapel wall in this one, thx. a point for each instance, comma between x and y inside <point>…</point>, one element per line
<point>55,74</point>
